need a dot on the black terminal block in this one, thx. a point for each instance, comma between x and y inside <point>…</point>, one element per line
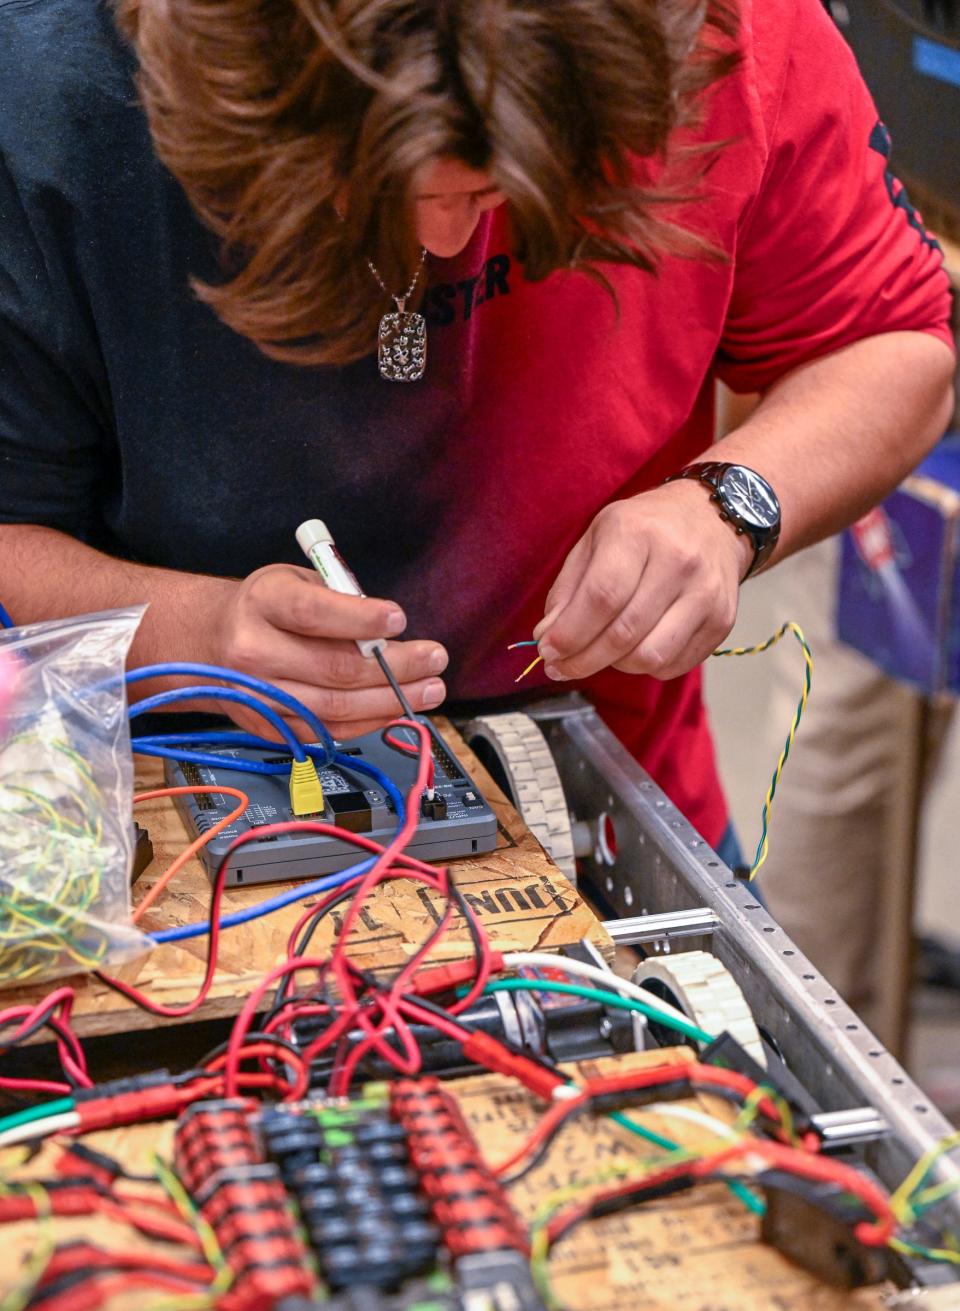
<point>359,1198</point>
<point>727,1053</point>
<point>434,807</point>
<point>142,852</point>
<point>812,1225</point>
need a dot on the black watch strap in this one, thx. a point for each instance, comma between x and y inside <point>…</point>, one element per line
<point>710,473</point>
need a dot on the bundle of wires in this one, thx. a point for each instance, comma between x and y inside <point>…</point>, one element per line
<point>82,1275</point>
<point>348,1000</point>
<point>208,748</point>
<point>51,850</point>
<point>759,1161</point>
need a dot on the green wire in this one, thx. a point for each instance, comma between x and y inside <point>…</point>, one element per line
<point>747,1197</point>
<point>60,1107</point>
<point>629,1004</point>
<point>607,998</point>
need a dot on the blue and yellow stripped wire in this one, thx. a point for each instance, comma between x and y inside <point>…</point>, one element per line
<point>789,627</point>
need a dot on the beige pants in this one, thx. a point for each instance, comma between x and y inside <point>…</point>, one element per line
<point>835,872</point>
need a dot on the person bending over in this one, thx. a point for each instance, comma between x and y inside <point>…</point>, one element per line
<point>210,209</point>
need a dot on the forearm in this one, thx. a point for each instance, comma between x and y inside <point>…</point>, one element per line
<point>836,435</point>
<point>48,575</point>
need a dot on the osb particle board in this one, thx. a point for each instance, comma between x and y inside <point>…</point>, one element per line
<point>690,1252</point>
<point>523,901</point>
<point>697,1251</point>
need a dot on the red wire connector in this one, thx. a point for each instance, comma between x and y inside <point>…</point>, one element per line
<point>485,1050</point>
<point>221,1164</point>
<point>467,1202</point>
<point>444,978</point>
<point>152,1096</point>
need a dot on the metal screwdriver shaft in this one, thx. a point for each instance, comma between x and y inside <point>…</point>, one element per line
<point>398,690</point>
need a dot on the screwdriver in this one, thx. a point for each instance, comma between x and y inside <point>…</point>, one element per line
<point>317,544</point>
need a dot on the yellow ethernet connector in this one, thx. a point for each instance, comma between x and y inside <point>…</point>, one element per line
<point>306,791</point>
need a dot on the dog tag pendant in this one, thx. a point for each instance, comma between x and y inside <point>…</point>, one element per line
<point>402,345</point>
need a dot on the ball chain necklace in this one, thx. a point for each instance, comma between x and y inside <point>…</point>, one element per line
<point>402,337</point>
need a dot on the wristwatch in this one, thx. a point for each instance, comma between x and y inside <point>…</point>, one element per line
<point>745,500</point>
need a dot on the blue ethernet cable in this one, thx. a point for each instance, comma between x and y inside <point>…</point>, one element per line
<point>180,668</point>
<point>183,746</point>
<point>189,746</point>
<point>5,620</point>
<point>221,694</point>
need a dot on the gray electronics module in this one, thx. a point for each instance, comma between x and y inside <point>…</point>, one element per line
<point>457,822</point>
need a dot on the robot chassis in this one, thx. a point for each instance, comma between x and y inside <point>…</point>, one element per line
<point>586,799</point>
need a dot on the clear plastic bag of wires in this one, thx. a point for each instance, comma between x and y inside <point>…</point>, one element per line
<point>66,782</point>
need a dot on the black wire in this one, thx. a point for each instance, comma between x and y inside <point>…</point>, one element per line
<point>616,1101</point>
<point>45,1021</point>
<point>72,1279</point>
<point>310,929</point>
<point>255,1035</point>
<point>286,982</point>
<point>543,1148</point>
<point>611,1205</point>
<point>469,915</point>
<point>103,1161</point>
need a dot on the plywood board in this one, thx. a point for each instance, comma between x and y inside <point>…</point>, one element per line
<point>521,898</point>
<point>692,1252</point>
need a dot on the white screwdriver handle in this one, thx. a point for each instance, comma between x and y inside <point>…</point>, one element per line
<point>317,544</point>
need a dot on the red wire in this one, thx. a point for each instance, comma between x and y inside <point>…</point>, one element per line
<point>819,1169</point>
<point>249,1010</point>
<point>11,1084</point>
<point>71,1053</point>
<point>96,1291</point>
<point>213,950</point>
<point>376,1036</point>
<point>390,1016</point>
<point>313,911</point>
<point>635,1080</point>
<point>375,1017</point>
<point>86,1255</point>
<point>409,749</point>
<point>292,1059</point>
<point>378,1015</point>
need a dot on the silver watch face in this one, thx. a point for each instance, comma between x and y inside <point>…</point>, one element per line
<point>750,498</point>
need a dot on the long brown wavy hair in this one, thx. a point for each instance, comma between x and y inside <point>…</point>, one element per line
<point>296,128</point>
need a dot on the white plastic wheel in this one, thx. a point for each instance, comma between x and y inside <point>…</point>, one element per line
<point>533,783</point>
<point>707,993</point>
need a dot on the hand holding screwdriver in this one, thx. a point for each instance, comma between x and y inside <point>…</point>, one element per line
<point>317,544</point>
<point>283,624</point>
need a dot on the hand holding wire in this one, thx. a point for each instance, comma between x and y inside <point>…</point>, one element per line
<point>650,588</point>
